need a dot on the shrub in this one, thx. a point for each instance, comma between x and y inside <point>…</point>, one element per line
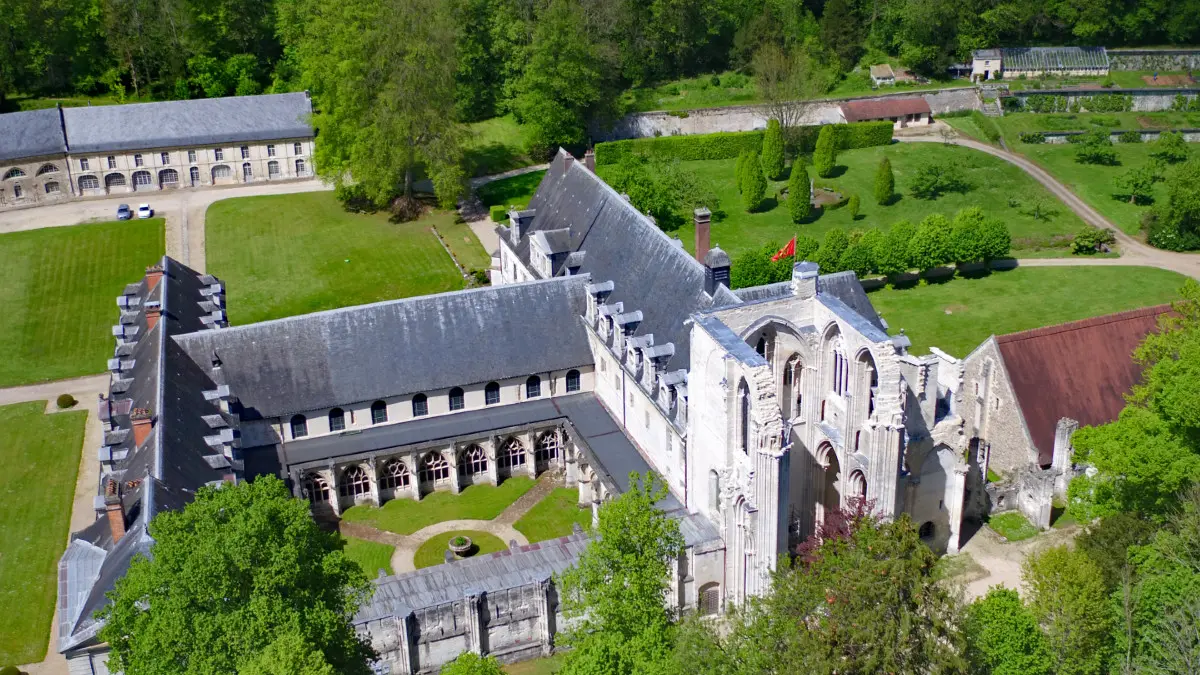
<point>990,131</point>
<point>931,180</point>
<point>755,186</point>
<point>1170,148</point>
<point>829,256</point>
<point>1095,147</point>
<point>1103,103</point>
<point>715,81</point>
<point>799,193</point>
<point>891,253</point>
<point>65,401</point>
<point>1130,137</point>
<point>994,239</point>
<point>859,256</point>
<point>965,240</point>
<point>852,205</point>
<point>1090,239</point>
<point>772,150</point>
<point>10,670</point>
<point>498,213</point>
<point>685,148</point>
<point>930,246</point>
<point>885,183</point>
<point>1032,137</point>
<point>825,154</point>
<point>739,171</point>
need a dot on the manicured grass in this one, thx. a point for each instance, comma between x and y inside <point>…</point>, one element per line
<point>957,315</point>
<point>497,145</point>
<point>967,125</point>
<point>40,454</point>
<point>57,291</point>
<point>461,240</point>
<point>695,92</point>
<point>1012,526</point>
<point>1013,124</point>
<point>475,502</point>
<point>433,551</point>
<point>508,191</point>
<point>546,666</point>
<point>284,255</point>
<point>370,555</point>
<point>553,516</point>
<point>999,188</point>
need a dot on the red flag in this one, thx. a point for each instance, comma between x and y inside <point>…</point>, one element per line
<point>785,252</point>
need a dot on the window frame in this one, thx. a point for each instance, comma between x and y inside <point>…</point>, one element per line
<point>138,161</point>
<point>219,154</point>
<point>573,381</point>
<point>270,150</point>
<point>420,405</point>
<point>191,156</point>
<point>298,149</point>
<point>533,387</point>
<point>83,164</point>
<point>491,393</point>
<point>299,422</point>
<point>458,399</point>
<point>379,412</point>
<point>337,416</point>
<point>245,151</point>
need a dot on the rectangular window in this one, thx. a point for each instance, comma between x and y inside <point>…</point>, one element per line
<point>165,157</point>
<point>191,156</point>
<point>245,152</point>
<point>270,151</point>
<point>219,154</point>
<point>112,162</point>
<point>491,395</point>
<point>83,165</point>
<point>297,149</point>
<point>137,160</point>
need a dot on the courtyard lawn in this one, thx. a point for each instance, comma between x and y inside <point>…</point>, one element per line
<point>999,188</point>
<point>957,315</point>
<point>57,294</point>
<point>496,145</point>
<point>553,516</point>
<point>1012,526</point>
<point>461,240</point>
<point>546,666</point>
<point>370,556</point>
<point>507,191</point>
<point>433,551</point>
<point>475,502</point>
<point>284,255</point>
<point>1012,124</point>
<point>41,456</point>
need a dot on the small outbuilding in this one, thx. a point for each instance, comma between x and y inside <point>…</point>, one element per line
<point>882,75</point>
<point>990,64</point>
<point>901,112</point>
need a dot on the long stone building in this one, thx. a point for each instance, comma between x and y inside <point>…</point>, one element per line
<point>65,153</point>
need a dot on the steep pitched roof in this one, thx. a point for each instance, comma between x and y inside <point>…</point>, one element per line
<point>884,108</point>
<point>1081,370</point>
<point>31,134</point>
<point>199,122</point>
<point>399,347</point>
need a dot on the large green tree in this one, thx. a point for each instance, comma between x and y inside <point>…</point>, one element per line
<point>1003,637</point>
<point>772,150</point>
<point>931,245</point>
<point>238,578</point>
<point>1068,598</point>
<point>885,183</point>
<point>799,193</point>
<point>892,256</point>
<point>661,189</point>
<point>825,154</point>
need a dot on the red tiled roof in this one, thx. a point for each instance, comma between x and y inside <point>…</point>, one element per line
<point>1081,370</point>
<point>879,109</point>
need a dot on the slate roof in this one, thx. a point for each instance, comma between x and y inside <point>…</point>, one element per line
<point>884,108</point>
<point>1081,370</point>
<point>398,347</point>
<point>210,121</point>
<point>31,134</point>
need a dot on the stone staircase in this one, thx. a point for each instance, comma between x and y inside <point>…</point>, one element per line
<point>992,109</point>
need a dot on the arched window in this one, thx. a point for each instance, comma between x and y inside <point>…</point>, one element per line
<point>142,179</point>
<point>247,171</point>
<point>434,468</point>
<point>89,183</point>
<point>299,426</point>
<point>710,599</point>
<point>221,171</point>
<point>272,169</point>
<point>378,412</point>
<point>337,419</point>
<point>928,530</point>
<point>473,461</point>
<point>297,149</point>
<point>168,177</point>
<point>395,475</point>
<point>743,417</point>
<point>114,180</point>
<point>533,387</point>
<point>52,187</point>
<point>355,482</point>
<point>194,175</point>
<point>572,381</point>
<point>511,454</point>
<point>300,171</point>
<point>420,405</point>
<point>47,168</point>
<point>548,447</point>
<point>858,485</point>
<point>456,399</point>
<point>14,173</point>
<point>315,488</point>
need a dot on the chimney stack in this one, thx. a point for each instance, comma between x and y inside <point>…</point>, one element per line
<point>518,223</point>
<point>716,270</point>
<point>804,279</point>
<point>701,218</point>
<point>153,313</point>
<point>568,160</point>
<point>114,510</point>
<point>153,276</point>
<point>142,423</point>
<point>589,160</point>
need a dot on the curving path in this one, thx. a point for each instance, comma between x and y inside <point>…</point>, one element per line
<point>1133,252</point>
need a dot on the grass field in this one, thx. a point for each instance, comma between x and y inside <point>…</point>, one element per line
<point>496,145</point>
<point>553,516</point>
<point>1012,124</point>
<point>25,102</point>
<point>475,502</point>
<point>507,191</point>
<point>546,666</point>
<point>41,456</point>
<point>57,294</point>
<point>957,315</point>
<point>292,254</point>
<point>1012,526</point>
<point>999,188</point>
<point>371,556</point>
<point>461,240</point>
<point>433,551</point>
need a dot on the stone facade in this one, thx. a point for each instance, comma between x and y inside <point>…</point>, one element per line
<point>31,181</point>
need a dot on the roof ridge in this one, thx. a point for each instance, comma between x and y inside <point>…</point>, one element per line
<point>1081,324</point>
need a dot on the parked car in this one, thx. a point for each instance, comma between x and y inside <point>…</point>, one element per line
<point>144,211</point>
<point>123,212</point>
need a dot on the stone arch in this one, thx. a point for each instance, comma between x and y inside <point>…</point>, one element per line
<point>511,454</point>
<point>793,386</point>
<point>828,496</point>
<point>435,469</point>
<point>355,482</point>
<point>113,180</point>
<point>547,449</point>
<point>856,485</point>
<point>13,173</point>
<point>866,379</point>
<point>743,416</point>
<point>395,475</point>
<point>142,180</point>
<point>714,491</point>
<point>168,178</point>
<point>47,168</point>
<point>472,461</point>
<point>221,172</point>
<point>315,488</point>
<point>89,182</point>
<point>708,599</point>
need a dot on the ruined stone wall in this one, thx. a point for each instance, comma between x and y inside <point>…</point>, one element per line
<point>991,412</point>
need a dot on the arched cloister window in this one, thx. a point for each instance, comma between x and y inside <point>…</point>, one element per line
<point>709,599</point>
<point>548,447</point>
<point>491,394</point>
<point>533,387</point>
<point>434,468</point>
<point>355,482</point>
<point>420,405</point>
<point>395,475</point>
<point>315,489</point>
<point>868,378</point>
<point>89,183</point>
<point>14,173</point>
<point>337,419</point>
<point>511,454</point>
<point>572,381</point>
<point>858,485</point>
<point>142,179</point>
<point>299,426</point>
<point>743,416</point>
<point>793,385</point>
<point>378,412</point>
<point>457,400</point>
<point>47,168</point>
<point>472,461</point>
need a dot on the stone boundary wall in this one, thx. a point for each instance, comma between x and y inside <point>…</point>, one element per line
<point>1144,100</point>
<point>1154,59</point>
<point>754,117</point>
<point>1148,135</point>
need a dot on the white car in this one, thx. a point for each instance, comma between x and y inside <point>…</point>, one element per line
<point>144,211</point>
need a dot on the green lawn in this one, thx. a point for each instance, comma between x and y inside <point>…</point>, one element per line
<point>40,454</point>
<point>1000,188</point>
<point>57,294</point>
<point>1012,124</point>
<point>496,145</point>
<point>957,315</point>
<point>433,551</point>
<point>370,555</point>
<point>475,502</point>
<point>292,254</point>
<point>553,516</point>
<point>1012,526</point>
<point>546,666</point>
<point>507,191</point>
<point>704,91</point>
<point>461,240</point>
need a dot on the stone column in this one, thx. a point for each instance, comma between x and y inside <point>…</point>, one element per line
<point>489,448</point>
<point>297,487</point>
<point>455,486</point>
<point>373,467</point>
<point>528,439</point>
<point>471,604</point>
<point>571,471</point>
<point>595,513</point>
<point>546,625</point>
<point>413,462</point>
<point>954,503</point>
<point>335,494</point>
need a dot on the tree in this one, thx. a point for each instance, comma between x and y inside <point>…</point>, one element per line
<point>242,573</point>
<point>966,240</point>
<point>859,255</point>
<point>613,595</point>
<point>772,151</point>
<point>661,189</point>
<point>1178,221</point>
<point>885,183</point>
<point>1106,543</point>
<point>799,193</point>
<point>995,240</point>
<point>1095,147</point>
<point>1170,148</point>
<point>476,80</point>
<point>842,32</point>
<point>931,245</point>
<point>755,185</point>
<point>934,179</point>
<point>469,663</point>
<point>739,171</point>
<point>755,267</point>
<point>825,154</point>
<point>891,256</point>
<point>1068,599</point>
<point>852,205</point>
<point>829,256</point>
<point>1137,183</point>
<point>1003,638</point>
<point>785,78</point>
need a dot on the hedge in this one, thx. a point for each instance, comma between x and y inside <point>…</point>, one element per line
<point>1032,137</point>
<point>728,145</point>
<point>499,213</point>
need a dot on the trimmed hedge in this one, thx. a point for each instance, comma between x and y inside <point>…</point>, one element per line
<point>1032,137</point>
<point>728,145</point>
<point>499,213</point>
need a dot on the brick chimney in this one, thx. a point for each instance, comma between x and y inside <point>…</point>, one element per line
<point>142,423</point>
<point>153,276</point>
<point>701,217</point>
<point>153,313</point>
<point>114,510</point>
<point>589,160</point>
<point>568,160</point>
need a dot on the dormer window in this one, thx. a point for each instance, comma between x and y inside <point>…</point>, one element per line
<point>572,381</point>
